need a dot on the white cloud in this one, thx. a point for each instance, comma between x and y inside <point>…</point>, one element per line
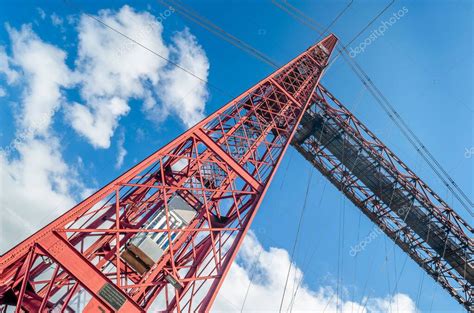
<point>36,182</point>
<point>98,120</point>
<point>113,70</point>
<point>267,285</point>
<point>180,93</point>
<point>3,92</point>
<point>111,63</point>
<point>56,20</point>
<point>45,72</point>
<point>110,71</point>
<point>35,189</point>
<point>397,303</point>
<point>41,13</point>
<point>121,151</point>
<point>5,66</point>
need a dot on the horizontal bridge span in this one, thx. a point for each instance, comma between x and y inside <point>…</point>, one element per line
<point>389,193</point>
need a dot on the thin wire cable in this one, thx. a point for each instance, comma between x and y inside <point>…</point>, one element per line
<point>365,285</point>
<point>98,20</point>
<point>343,221</point>
<point>300,222</point>
<point>355,261</point>
<point>420,288</point>
<point>205,23</point>
<point>388,272</point>
<point>250,280</point>
<point>397,280</point>
<point>358,101</point>
<point>286,169</point>
<point>438,277</point>
<point>320,142</point>
<point>336,18</point>
<point>315,248</point>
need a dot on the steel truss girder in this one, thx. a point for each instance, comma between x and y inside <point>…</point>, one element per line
<point>389,193</point>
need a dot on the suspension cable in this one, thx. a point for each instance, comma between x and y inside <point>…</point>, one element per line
<point>300,222</point>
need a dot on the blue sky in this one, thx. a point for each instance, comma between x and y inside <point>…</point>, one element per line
<point>423,64</point>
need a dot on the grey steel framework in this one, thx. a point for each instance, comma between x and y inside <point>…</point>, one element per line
<point>389,193</point>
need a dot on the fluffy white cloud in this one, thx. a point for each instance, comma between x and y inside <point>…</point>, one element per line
<point>113,65</point>
<point>397,303</point>
<point>5,67</point>
<point>35,189</point>
<point>266,287</point>
<point>44,72</point>
<point>36,183</point>
<point>110,71</point>
<point>114,69</point>
<point>98,120</point>
<point>181,93</point>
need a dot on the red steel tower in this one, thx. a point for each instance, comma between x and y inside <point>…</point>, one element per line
<point>166,231</point>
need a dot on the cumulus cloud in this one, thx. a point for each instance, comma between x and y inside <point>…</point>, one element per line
<point>181,93</point>
<point>263,273</point>
<point>5,67</point>
<point>35,189</point>
<point>111,63</point>
<point>396,303</point>
<point>110,71</point>
<point>36,182</point>
<point>44,71</point>
<point>98,120</point>
<point>113,70</point>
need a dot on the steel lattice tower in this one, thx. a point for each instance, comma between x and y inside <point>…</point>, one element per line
<point>167,230</point>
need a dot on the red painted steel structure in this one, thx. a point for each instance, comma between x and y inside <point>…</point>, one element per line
<point>204,188</point>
